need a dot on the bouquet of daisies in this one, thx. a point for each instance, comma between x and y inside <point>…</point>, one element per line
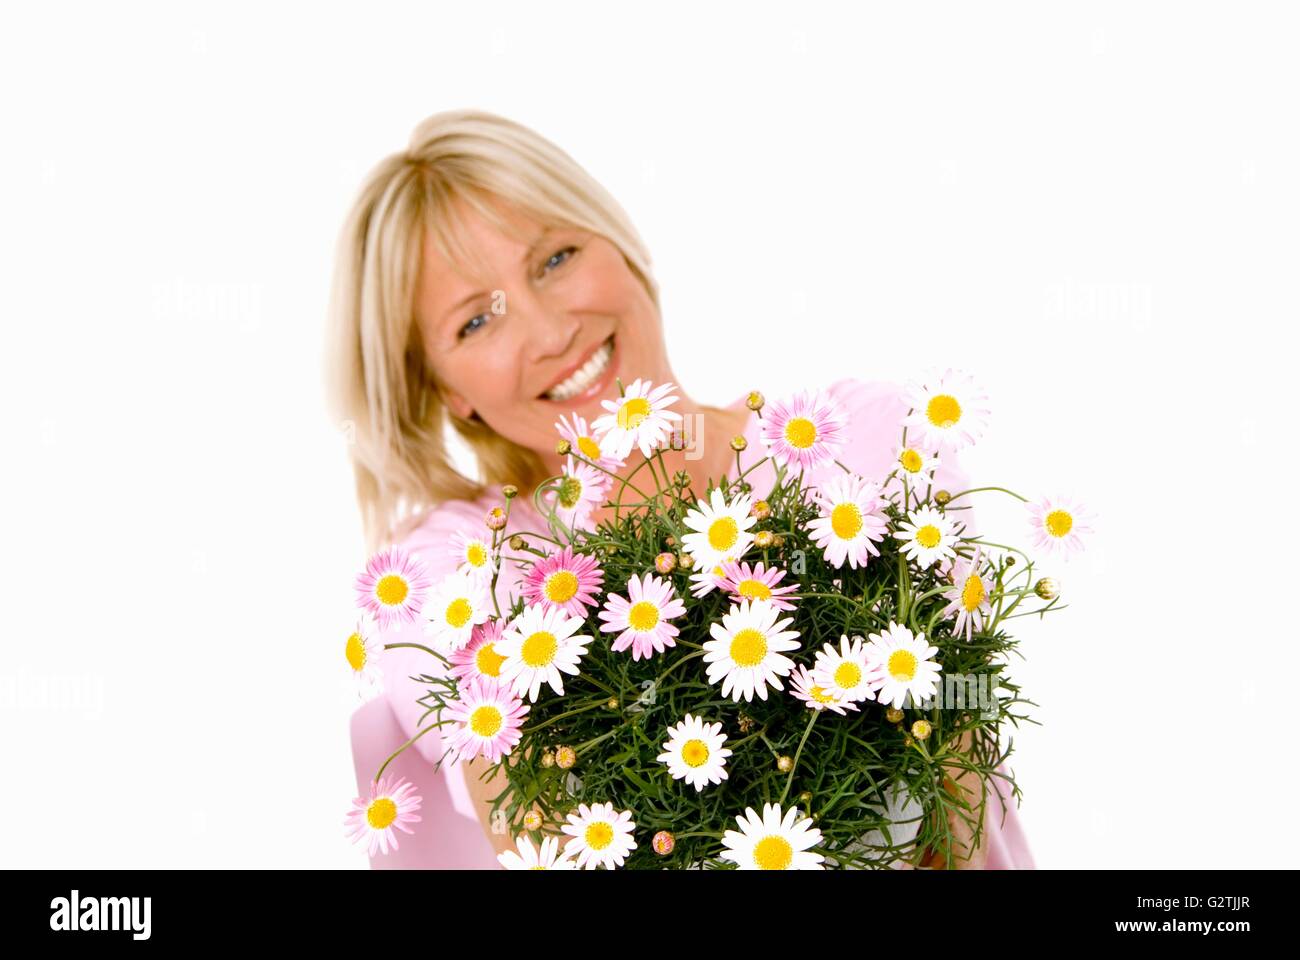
<point>782,677</point>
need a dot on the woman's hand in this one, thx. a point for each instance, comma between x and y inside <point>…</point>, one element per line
<point>964,855</point>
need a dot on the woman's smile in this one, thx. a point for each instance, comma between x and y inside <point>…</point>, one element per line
<point>586,380</point>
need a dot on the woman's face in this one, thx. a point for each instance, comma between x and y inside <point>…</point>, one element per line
<point>544,332</point>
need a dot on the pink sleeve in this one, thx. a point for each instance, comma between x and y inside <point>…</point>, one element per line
<point>875,410</point>
<point>449,835</point>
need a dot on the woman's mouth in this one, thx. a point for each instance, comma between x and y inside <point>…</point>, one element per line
<point>587,379</point>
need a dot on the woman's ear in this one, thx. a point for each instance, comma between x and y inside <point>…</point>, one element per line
<point>457,404</point>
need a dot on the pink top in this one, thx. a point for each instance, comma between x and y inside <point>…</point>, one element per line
<point>449,835</point>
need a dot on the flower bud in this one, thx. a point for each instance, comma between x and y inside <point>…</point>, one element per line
<point>532,820</point>
<point>761,509</point>
<point>564,448</point>
<point>496,518</point>
<point>754,401</point>
<point>739,443</point>
<point>516,542</point>
<point>665,563</point>
<point>763,538</point>
<point>921,729</point>
<point>663,843</point>
<point>941,497</point>
<point>894,715</point>
<point>1047,588</point>
<point>784,763</point>
<point>565,757</point>
<point>510,491</point>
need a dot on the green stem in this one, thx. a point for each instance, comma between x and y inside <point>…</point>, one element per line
<point>978,489</point>
<point>795,766</point>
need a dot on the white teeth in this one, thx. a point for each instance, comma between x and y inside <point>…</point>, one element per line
<point>585,376</point>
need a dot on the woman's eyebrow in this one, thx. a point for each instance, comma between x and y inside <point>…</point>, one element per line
<point>532,247</point>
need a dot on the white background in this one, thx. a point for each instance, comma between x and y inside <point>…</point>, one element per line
<point>1091,208</point>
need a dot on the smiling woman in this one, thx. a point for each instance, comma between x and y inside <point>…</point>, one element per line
<point>486,282</point>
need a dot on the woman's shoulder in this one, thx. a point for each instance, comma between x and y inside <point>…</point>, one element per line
<point>429,534</point>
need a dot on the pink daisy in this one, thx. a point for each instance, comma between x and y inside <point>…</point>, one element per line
<point>643,616</point>
<point>392,588</point>
<point>968,599</point>
<point>583,441</point>
<point>805,430</point>
<point>744,582</point>
<point>489,716</point>
<point>852,517</point>
<point>372,820</point>
<point>806,688</point>
<point>581,490</point>
<point>479,658</point>
<point>1057,523</point>
<point>565,581</point>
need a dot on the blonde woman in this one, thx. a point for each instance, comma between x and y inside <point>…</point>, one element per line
<point>486,281</point>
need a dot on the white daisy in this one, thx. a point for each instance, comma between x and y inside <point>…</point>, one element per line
<point>721,529</point>
<point>915,465</point>
<point>745,652</point>
<point>773,841</point>
<point>968,599</point>
<point>473,555</point>
<point>600,837</point>
<point>707,579</point>
<point>948,410</point>
<point>846,673</point>
<point>639,418</point>
<point>852,517</point>
<point>537,646</point>
<point>695,753</point>
<point>458,604</point>
<point>530,858</point>
<point>929,535</point>
<point>806,688</point>
<point>903,664</point>
<point>363,650</point>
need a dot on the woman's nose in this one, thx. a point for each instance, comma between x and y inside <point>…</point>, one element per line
<point>552,328</point>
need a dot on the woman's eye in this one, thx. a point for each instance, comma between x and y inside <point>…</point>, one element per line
<point>471,325</point>
<point>558,257</point>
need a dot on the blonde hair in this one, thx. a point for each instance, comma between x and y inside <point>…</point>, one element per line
<point>380,384</point>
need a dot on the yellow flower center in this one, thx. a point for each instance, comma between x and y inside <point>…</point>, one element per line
<point>539,649</point>
<point>748,647</point>
<point>477,555</point>
<point>928,536</point>
<point>773,853</point>
<point>910,461</point>
<point>643,616</point>
<point>561,586</point>
<point>589,448</point>
<point>570,492</point>
<point>972,595</point>
<point>943,411</point>
<point>820,695</point>
<point>486,721</point>
<point>633,413</point>
<point>846,520</point>
<point>723,533</point>
<point>599,835</point>
<point>356,652</point>
<point>902,665</point>
<point>458,613</point>
<point>695,753</point>
<point>391,589</point>
<point>1058,523</point>
<point>488,660</point>
<point>848,675</point>
<point>381,812</point>
<point>800,432</point>
<point>754,590</point>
